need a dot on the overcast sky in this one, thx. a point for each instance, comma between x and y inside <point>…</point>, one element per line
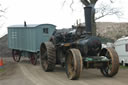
<point>51,11</point>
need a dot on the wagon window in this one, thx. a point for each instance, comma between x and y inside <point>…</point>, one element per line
<point>45,30</point>
<point>126,46</point>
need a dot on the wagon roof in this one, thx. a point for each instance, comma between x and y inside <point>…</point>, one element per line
<point>28,25</point>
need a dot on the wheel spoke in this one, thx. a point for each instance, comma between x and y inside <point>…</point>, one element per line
<point>16,55</point>
<point>112,68</point>
<point>33,58</point>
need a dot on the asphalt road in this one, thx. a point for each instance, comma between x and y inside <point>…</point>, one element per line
<point>27,74</point>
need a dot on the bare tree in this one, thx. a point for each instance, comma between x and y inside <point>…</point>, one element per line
<point>102,11</point>
<point>2,13</point>
<point>105,10</point>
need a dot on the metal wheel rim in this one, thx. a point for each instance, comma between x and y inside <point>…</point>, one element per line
<point>112,68</point>
<point>109,67</point>
<point>33,59</point>
<point>74,64</point>
<point>70,67</point>
<point>16,56</point>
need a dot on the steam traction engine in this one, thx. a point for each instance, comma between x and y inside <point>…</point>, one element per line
<point>78,49</point>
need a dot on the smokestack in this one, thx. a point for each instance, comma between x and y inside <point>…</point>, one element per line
<point>25,24</point>
<point>88,19</point>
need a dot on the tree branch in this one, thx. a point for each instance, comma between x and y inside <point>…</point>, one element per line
<point>105,10</point>
<point>85,2</point>
<point>72,4</point>
<point>93,1</point>
<point>64,3</point>
<point>102,11</point>
<point>111,1</point>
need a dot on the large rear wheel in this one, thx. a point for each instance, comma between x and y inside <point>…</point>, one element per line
<point>74,64</point>
<point>16,55</point>
<point>112,68</point>
<point>48,56</point>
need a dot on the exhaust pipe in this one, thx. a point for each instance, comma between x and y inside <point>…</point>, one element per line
<point>88,11</point>
<point>25,24</point>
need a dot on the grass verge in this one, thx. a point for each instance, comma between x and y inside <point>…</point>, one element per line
<point>2,70</point>
<point>123,67</point>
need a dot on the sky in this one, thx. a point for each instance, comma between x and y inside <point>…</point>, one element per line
<point>51,11</point>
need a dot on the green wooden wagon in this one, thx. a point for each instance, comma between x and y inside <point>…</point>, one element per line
<point>25,40</point>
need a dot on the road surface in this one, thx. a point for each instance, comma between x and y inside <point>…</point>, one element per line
<point>27,74</point>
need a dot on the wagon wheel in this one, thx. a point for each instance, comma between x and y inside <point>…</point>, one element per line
<point>16,55</point>
<point>48,56</point>
<point>74,64</point>
<point>33,58</point>
<point>112,68</point>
